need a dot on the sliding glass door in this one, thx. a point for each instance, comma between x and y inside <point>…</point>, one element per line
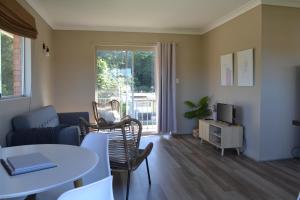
<point>128,76</point>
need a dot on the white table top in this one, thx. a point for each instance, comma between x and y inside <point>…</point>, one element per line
<point>72,163</point>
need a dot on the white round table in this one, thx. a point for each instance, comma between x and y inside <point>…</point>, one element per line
<point>72,163</point>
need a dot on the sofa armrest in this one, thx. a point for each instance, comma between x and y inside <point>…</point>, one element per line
<point>69,135</point>
<point>9,138</point>
<point>72,118</point>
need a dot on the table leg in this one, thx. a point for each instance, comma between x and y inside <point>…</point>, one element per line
<point>238,151</point>
<point>78,183</point>
<point>31,197</point>
<point>222,152</point>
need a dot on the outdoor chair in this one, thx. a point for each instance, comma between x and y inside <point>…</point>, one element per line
<point>105,115</point>
<point>124,152</point>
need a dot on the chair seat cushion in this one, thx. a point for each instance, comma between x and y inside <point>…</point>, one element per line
<point>110,116</point>
<point>37,136</point>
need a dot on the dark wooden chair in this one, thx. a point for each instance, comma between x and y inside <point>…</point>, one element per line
<point>113,105</point>
<point>124,151</point>
<point>101,123</point>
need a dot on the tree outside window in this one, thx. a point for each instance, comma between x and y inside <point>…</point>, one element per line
<point>11,64</point>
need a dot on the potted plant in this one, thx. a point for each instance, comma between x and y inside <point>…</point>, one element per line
<point>199,110</point>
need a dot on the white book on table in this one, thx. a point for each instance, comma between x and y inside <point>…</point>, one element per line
<point>28,163</point>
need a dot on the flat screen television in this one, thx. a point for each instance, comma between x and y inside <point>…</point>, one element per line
<point>225,113</point>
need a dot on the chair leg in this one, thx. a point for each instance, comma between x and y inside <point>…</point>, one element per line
<point>128,184</point>
<point>78,183</point>
<point>148,172</point>
<point>31,197</point>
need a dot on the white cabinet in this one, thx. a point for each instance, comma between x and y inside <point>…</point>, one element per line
<point>221,134</point>
<point>203,130</point>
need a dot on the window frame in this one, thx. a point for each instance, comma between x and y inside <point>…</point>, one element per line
<point>26,72</point>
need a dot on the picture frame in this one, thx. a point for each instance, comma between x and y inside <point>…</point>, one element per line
<point>227,69</point>
<point>245,67</point>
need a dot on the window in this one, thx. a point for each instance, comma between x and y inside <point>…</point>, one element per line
<point>12,65</point>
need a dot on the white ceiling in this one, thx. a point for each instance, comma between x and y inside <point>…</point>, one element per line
<point>163,16</point>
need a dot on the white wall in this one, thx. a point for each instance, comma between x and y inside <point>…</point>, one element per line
<point>243,32</point>
<point>280,82</point>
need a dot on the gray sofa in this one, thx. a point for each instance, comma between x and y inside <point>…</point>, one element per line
<point>43,118</point>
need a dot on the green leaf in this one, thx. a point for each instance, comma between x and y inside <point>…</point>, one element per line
<point>191,114</point>
<point>203,101</point>
<point>190,104</point>
<point>201,109</point>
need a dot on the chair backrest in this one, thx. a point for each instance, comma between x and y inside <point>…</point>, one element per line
<point>134,128</point>
<point>99,144</point>
<point>113,105</point>
<point>95,110</point>
<point>124,142</point>
<point>95,191</point>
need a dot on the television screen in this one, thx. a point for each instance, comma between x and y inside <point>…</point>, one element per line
<point>225,113</point>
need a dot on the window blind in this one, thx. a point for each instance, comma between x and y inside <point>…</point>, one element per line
<point>15,19</point>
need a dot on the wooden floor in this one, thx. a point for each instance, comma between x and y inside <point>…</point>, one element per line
<point>182,168</point>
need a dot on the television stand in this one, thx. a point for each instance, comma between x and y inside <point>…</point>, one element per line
<point>221,135</point>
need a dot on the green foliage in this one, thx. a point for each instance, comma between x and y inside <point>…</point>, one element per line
<point>199,110</point>
<point>114,71</point>
<point>143,71</point>
<point>190,104</point>
<point>114,59</point>
<point>104,80</point>
<point>7,65</point>
<point>111,78</point>
<point>123,109</point>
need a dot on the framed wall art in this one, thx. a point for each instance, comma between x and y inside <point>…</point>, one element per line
<point>245,67</point>
<point>227,70</point>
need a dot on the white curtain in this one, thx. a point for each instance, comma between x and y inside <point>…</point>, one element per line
<point>166,87</point>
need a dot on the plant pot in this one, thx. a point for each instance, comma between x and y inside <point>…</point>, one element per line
<point>196,133</point>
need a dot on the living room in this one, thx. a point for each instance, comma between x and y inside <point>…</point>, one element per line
<point>62,74</point>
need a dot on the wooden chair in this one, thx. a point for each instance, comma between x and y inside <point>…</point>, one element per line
<point>114,105</point>
<point>95,111</point>
<point>101,123</point>
<point>99,190</point>
<point>124,151</point>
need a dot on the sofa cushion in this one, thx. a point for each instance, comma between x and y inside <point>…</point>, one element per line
<point>69,135</point>
<point>40,118</point>
<point>47,135</point>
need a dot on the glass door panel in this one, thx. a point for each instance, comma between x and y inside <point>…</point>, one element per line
<point>128,76</point>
